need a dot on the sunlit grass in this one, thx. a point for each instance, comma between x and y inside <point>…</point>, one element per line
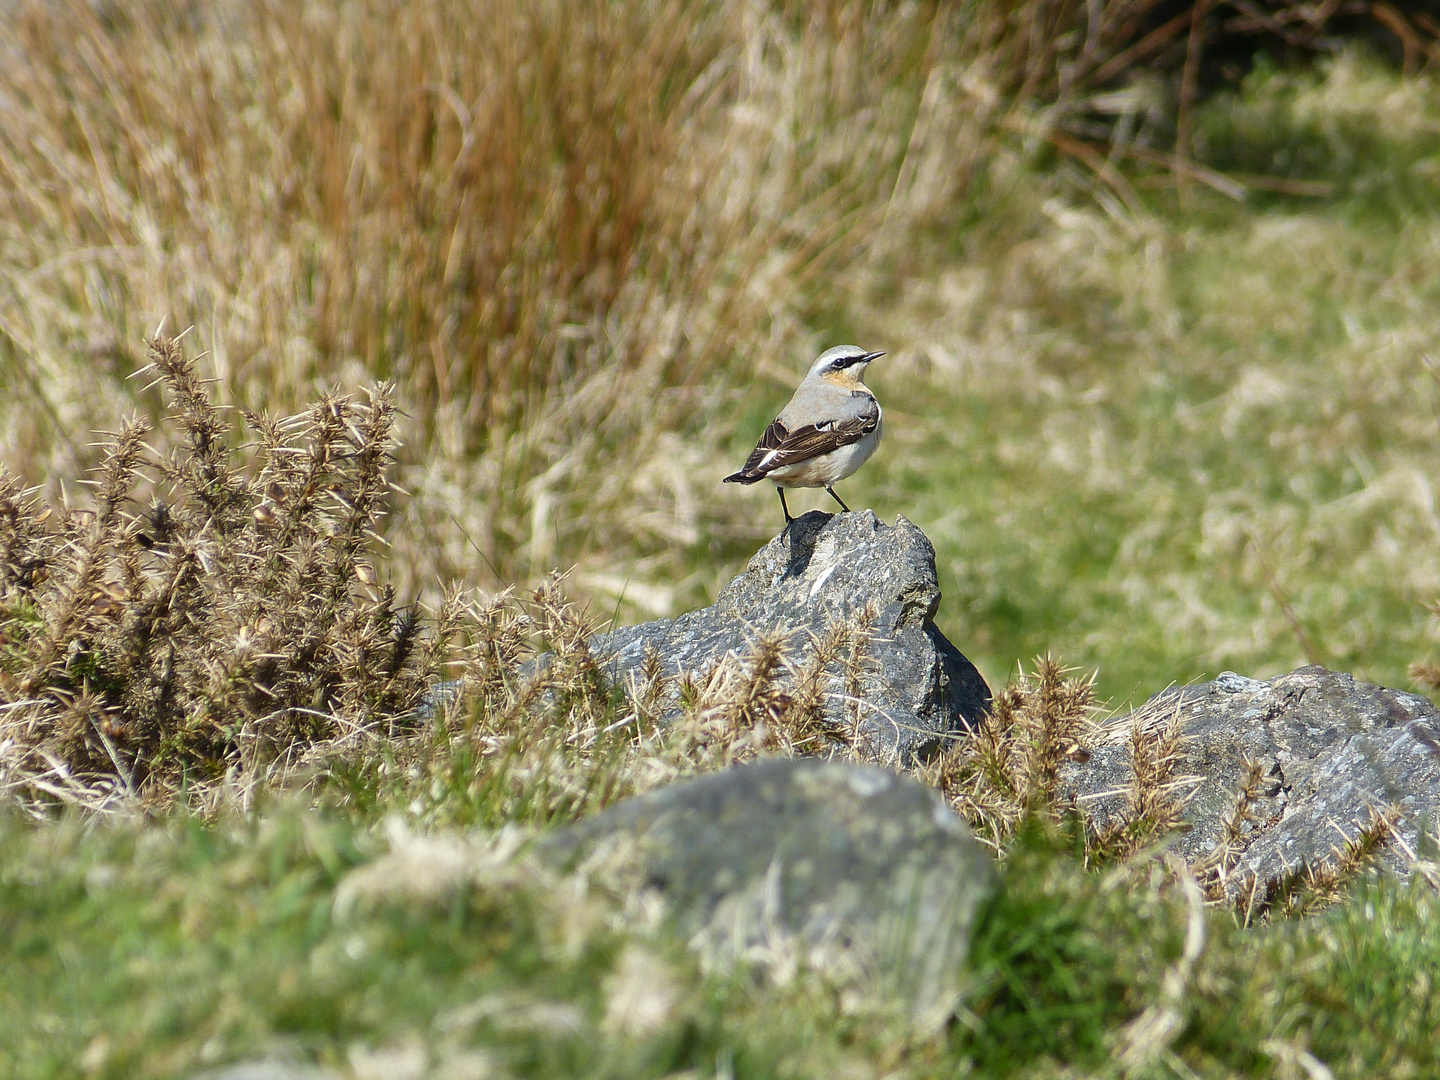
<point>169,949</point>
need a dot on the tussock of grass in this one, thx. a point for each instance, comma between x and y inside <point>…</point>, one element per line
<point>566,231</point>
<point>1082,392</point>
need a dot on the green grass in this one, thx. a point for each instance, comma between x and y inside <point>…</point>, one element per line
<point>161,950</point>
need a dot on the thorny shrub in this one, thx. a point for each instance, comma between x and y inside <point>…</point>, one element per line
<point>205,614</point>
<point>1010,767</point>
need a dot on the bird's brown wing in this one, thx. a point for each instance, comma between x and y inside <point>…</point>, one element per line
<point>779,446</point>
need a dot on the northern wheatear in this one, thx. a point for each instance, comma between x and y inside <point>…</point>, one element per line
<point>829,429</point>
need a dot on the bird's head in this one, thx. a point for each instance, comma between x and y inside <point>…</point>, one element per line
<point>843,365</point>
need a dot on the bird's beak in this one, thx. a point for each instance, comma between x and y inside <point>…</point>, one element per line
<point>870,356</point>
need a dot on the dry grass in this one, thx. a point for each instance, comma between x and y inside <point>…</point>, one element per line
<point>559,229</point>
<point>1146,435</point>
<point>562,229</point>
<point>580,273</point>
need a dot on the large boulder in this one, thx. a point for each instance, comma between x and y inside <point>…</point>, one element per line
<point>1330,750</point>
<point>865,873</point>
<point>917,689</point>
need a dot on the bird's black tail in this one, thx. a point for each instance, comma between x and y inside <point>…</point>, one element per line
<point>743,477</point>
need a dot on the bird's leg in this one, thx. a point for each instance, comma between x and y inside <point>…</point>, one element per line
<point>837,498</point>
<point>786,509</point>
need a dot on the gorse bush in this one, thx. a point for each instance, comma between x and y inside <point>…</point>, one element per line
<point>204,614</point>
<point>1009,768</point>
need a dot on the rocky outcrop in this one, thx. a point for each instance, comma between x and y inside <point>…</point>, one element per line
<point>868,873</point>
<point>1330,750</point>
<point>916,688</point>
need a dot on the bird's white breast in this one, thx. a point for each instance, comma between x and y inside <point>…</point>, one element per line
<point>831,468</point>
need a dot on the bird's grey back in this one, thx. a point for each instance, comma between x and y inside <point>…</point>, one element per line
<point>817,400</point>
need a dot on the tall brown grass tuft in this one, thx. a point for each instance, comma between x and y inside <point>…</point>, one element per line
<point>560,228</point>
<point>565,230</point>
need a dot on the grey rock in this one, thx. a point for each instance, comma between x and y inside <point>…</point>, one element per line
<point>868,871</point>
<point>1331,749</point>
<point>919,689</point>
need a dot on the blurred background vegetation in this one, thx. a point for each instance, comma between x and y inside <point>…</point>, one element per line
<point>1157,283</point>
<point>1156,280</point>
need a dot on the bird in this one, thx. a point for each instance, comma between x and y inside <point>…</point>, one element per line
<point>828,430</point>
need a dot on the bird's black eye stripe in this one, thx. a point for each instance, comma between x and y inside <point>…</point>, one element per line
<point>840,363</point>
